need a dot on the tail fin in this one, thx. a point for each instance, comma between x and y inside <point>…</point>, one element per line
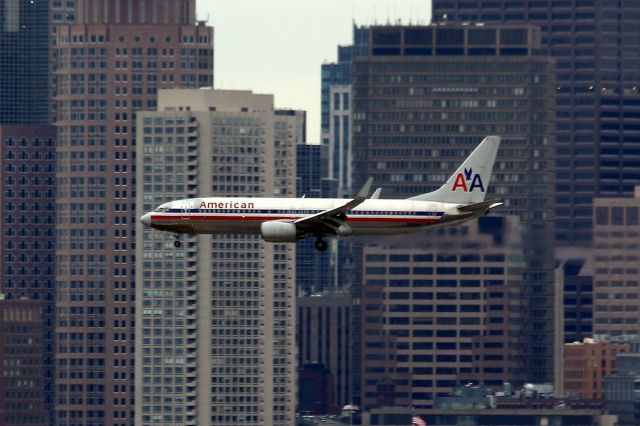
<point>470,182</point>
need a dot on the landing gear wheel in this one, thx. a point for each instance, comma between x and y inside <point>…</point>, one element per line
<point>321,245</point>
<point>177,243</point>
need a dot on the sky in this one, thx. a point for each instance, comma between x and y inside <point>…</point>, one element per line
<point>278,46</point>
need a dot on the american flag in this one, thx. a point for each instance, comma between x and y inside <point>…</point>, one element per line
<point>417,421</point>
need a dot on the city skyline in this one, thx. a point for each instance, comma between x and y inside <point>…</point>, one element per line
<point>109,108</point>
<point>246,59</point>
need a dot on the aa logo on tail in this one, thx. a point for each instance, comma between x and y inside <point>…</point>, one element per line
<point>468,181</point>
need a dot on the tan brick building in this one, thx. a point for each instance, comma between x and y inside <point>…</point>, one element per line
<point>586,364</point>
<point>616,240</point>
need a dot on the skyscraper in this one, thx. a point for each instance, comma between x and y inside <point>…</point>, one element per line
<point>28,168</point>
<point>423,98</point>
<point>216,336</point>
<point>616,240</point>
<point>313,268</point>
<point>27,255</point>
<point>440,310</point>
<point>110,64</point>
<point>24,59</point>
<point>22,363</point>
<point>596,44</point>
<point>336,110</point>
<point>324,338</point>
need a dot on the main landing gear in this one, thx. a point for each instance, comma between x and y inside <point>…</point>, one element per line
<point>177,243</point>
<point>321,245</point>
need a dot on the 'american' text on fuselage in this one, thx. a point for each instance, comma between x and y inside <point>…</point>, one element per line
<point>225,205</point>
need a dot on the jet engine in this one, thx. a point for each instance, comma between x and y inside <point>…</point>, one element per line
<point>279,232</point>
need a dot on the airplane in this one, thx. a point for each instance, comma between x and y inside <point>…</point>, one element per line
<point>287,220</point>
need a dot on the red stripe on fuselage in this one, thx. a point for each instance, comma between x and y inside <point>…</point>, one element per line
<point>382,219</point>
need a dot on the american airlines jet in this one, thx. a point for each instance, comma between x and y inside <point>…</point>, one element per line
<point>286,220</point>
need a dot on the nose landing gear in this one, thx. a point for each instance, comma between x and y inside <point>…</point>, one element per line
<point>177,242</point>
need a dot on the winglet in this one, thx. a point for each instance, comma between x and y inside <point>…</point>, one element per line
<point>376,194</point>
<point>366,188</point>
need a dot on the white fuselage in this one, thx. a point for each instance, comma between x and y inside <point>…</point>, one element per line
<point>220,215</point>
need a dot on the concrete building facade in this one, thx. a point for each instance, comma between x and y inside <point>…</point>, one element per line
<point>216,341</point>
<point>442,311</point>
<point>616,240</point>
<point>110,64</point>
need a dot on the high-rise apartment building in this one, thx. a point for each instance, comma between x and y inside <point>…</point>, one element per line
<point>442,310</point>
<point>616,241</point>
<point>425,96</point>
<point>22,363</point>
<point>215,342</point>
<point>596,44</point>
<point>110,64</point>
<point>24,58</point>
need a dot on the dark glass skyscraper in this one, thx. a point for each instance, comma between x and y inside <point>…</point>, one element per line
<point>313,271</point>
<point>28,174</point>
<point>596,44</point>
<point>336,110</point>
<point>425,96</point>
<point>339,73</point>
<point>24,62</point>
<point>27,254</point>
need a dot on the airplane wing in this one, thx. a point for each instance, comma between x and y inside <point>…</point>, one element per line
<point>332,220</point>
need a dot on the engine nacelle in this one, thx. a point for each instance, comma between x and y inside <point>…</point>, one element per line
<point>279,232</point>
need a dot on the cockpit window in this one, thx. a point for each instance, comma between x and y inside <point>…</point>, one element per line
<point>162,209</point>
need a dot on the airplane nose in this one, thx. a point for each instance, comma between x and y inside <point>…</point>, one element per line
<point>146,219</point>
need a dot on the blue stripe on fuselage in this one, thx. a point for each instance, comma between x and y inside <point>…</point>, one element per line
<point>306,212</point>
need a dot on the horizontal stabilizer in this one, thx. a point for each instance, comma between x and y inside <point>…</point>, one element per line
<point>483,207</point>
<point>470,210</point>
